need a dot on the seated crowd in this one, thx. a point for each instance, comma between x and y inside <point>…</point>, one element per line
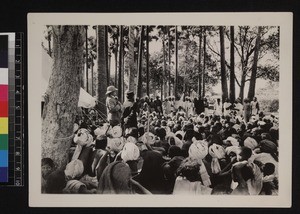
<point>154,150</point>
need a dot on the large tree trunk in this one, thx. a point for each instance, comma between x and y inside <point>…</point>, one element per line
<point>252,84</point>
<point>63,90</point>
<point>223,66</point>
<point>121,66</point>
<point>232,66</point>
<point>199,64</point>
<point>102,67</point>
<point>169,63</point>
<point>147,61</point>
<point>49,41</point>
<point>176,63</point>
<point>130,59</point>
<point>204,63</point>
<point>140,67</point>
<point>86,59</point>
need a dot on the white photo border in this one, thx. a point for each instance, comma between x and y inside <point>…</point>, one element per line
<point>36,22</point>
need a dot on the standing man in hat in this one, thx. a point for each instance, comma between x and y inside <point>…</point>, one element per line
<point>114,107</point>
<point>129,117</point>
<point>158,105</point>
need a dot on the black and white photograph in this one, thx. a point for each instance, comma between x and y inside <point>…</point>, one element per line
<point>160,109</point>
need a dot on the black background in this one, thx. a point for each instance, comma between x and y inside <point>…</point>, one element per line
<point>13,18</point>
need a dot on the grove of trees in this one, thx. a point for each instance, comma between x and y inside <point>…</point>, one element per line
<point>151,60</point>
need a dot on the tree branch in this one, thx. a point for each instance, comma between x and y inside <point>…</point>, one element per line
<point>210,48</point>
<point>237,81</point>
<point>238,51</point>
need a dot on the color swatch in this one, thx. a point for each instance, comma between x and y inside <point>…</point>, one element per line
<point>4,108</point>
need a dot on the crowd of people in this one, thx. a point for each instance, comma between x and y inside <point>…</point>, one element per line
<point>147,146</point>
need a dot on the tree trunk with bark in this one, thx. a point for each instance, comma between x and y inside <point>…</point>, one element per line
<point>140,63</point>
<point>107,56</point>
<point>165,89</point>
<point>92,73</point>
<point>169,62</point>
<point>199,64</point>
<point>223,66</point>
<point>252,84</point>
<point>86,59</point>
<point>176,63</point>
<point>102,67</point>
<point>147,61</point>
<point>121,66</point>
<point>63,91</point>
<point>130,60</point>
<point>232,66</point>
<point>243,81</point>
<point>204,64</point>
<point>116,61</point>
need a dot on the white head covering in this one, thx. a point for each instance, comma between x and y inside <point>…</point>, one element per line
<point>198,150</point>
<point>116,131</point>
<point>250,143</point>
<point>74,169</point>
<point>178,142</point>
<point>82,138</point>
<point>255,184</point>
<point>216,152</point>
<point>148,137</point>
<point>233,141</point>
<point>115,144</point>
<point>130,152</point>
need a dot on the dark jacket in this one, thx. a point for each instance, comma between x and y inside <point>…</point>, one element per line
<point>129,118</point>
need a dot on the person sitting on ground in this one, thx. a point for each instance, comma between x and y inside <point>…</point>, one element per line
<point>48,167</point>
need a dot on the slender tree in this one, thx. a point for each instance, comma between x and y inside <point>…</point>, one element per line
<point>251,91</point>
<point>147,61</point>
<point>61,104</point>
<point>204,63</point>
<point>121,65</point>
<point>102,67</point>
<point>223,66</point>
<point>232,66</point>
<point>164,84</point>
<point>130,59</point>
<point>107,56</point>
<point>92,72</point>
<point>176,62</point>
<point>169,62</point>
<point>140,67</point>
<point>86,59</point>
<point>199,63</point>
<point>116,46</point>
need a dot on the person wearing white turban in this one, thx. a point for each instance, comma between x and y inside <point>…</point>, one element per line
<point>130,152</point>
<point>198,151</point>
<point>74,169</point>
<point>216,152</point>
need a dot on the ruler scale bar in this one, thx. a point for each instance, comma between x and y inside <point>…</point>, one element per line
<point>15,158</point>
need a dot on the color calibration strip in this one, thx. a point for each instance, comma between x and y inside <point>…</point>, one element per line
<point>4,108</point>
<point>11,109</point>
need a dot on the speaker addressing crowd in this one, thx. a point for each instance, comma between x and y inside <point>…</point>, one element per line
<point>154,146</point>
